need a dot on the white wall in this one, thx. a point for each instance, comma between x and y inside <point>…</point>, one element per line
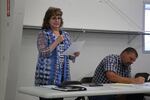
<point>96,47</point>
<point>10,41</point>
<point>27,62</point>
<point>18,69</point>
<point>90,14</point>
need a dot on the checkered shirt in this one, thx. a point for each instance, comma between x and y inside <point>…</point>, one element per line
<point>110,63</point>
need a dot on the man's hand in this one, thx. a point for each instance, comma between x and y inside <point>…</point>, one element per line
<point>139,80</point>
<point>119,79</point>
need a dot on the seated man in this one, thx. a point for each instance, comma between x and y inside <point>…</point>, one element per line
<point>117,69</point>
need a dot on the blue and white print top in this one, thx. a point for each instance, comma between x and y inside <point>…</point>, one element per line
<point>52,67</point>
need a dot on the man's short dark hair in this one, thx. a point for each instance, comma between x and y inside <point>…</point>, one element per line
<point>130,50</point>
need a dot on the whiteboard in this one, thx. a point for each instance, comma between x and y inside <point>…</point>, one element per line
<point>123,15</point>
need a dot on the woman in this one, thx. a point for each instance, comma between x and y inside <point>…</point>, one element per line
<point>52,66</point>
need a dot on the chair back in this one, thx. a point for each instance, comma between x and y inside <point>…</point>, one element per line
<point>86,80</point>
<point>145,75</point>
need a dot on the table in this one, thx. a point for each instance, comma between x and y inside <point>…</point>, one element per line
<point>106,89</point>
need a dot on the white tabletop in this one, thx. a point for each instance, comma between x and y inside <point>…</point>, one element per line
<point>106,89</point>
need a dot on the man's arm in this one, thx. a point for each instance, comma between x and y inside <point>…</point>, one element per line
<point>112,76</point>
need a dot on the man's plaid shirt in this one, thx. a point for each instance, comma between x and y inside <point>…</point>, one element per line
<point>110,63</point>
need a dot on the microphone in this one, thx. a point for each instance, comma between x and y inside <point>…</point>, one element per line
<point>61,34</point>
<point>62,42</point>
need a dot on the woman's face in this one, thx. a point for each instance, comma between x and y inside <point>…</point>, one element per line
<point>55,22</point>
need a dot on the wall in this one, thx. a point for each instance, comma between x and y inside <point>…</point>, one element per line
<point>96,47</point>
<point>90,14</point>
<point>18,69</point>
<point>10,40</point>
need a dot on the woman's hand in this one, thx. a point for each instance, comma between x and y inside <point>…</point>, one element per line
<point>73,57</point>
<point>139,80</point>
<point>60,39</point>
<point>76,54</point>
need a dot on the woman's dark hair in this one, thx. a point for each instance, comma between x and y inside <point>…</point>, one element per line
<point>52,11</point>
<point>130,50</point>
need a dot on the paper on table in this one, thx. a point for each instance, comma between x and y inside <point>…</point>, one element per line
<point>122,84</point>
<point>146,84</point>
<point>125,85</point>
<point>75,47</point>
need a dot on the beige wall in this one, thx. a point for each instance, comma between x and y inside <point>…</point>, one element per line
<point>96,47</point>
<point>11,35</point>
<point>18,53</point>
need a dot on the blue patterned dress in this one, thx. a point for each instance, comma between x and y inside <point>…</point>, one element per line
<point>52,67</point>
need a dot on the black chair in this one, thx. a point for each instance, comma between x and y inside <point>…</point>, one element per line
<point>143,74</point>
<point>146,76</point>
<point>84,80</point>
